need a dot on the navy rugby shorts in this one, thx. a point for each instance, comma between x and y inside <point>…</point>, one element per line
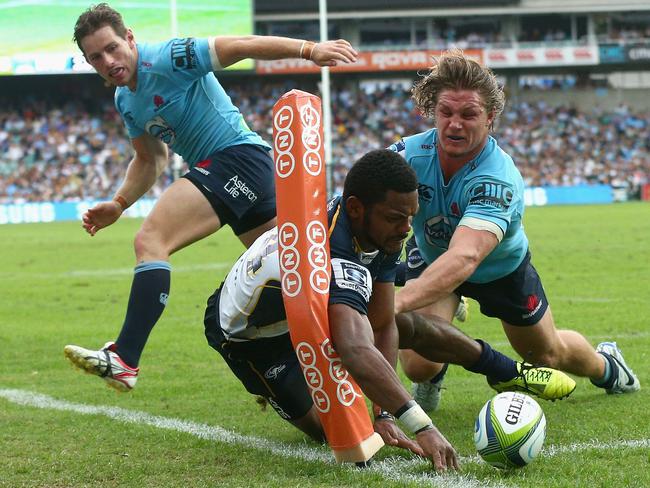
<point>239,183</point>
<point>518,298</point>
<point>266,367</point>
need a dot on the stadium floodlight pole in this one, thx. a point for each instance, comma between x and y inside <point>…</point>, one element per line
<point>173,13</point>
<point>325,98</point>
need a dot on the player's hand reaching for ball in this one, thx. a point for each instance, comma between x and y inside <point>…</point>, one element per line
<point>437,449</point>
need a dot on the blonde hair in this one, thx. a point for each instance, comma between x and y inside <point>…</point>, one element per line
<point>455,71</point>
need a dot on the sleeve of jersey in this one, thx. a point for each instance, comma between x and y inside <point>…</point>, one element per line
<point>190,58</point>
<point>351,284</point>
<point>399,147</point>
<point>489,206</point>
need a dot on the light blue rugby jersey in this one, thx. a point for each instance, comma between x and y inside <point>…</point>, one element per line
<point>179,101</point>
<point>488,188</point>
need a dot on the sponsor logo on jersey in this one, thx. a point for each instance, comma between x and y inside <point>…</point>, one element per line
<point>160,129</point>
<point>425,192</point>
<point>438,231</point>
<point>491,194</point>
<point>368,257</point>
<point>235,187</point>
<point>455,209</point>
<point>414,259</point>
<point>183,54</point>
<point>202,170</point>
<point>146,64</point>
<point>352,276</point>
<point>427,146</point>
<point>273,372</point>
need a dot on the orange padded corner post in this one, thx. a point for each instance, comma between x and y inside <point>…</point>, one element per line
<point>305,269</point>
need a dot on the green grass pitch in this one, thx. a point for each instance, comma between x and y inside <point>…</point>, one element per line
<point>60,286</point>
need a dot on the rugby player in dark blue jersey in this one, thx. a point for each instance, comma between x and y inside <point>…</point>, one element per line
<point>169,98</point>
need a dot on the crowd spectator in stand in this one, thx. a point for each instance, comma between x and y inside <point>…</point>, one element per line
<point>72,151</point>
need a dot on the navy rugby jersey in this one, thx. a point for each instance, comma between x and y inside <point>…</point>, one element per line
<point>250,305</point>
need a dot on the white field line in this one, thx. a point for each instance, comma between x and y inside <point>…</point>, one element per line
<point>104,272</point>
<point>395,468</point>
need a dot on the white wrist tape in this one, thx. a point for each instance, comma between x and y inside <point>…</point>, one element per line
<point>414,418</point>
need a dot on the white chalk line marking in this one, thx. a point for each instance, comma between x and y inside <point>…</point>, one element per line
<point>393,468</point>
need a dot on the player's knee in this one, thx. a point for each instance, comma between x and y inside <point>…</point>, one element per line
<point>148,245</point>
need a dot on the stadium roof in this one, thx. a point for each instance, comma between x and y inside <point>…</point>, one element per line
<point>277,6</point>
<point>286,10</point>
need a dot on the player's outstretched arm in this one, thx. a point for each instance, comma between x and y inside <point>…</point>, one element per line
<point>149,161</point>
<point>231,49</point>
<point>353,340</point>
<point>467,249</point>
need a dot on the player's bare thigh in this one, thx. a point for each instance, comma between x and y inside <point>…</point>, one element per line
<point>181,216</point>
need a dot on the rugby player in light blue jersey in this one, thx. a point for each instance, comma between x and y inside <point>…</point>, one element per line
<point>169,97</point>
<point>468,231</point>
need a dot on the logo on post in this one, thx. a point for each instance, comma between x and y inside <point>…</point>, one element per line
<point>313,163</point>
<point>284,164</point>
<point>288,234</point>
<point>283,118</point>
<point>291,283</point>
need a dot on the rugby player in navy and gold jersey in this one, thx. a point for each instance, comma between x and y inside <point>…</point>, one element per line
<point>245,320</point>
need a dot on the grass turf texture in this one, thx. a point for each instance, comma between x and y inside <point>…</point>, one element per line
<point>60,286</point>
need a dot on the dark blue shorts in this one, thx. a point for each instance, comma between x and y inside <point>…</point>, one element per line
<point>266,367</point>
<point>239,183</point>
<point>518,298</point>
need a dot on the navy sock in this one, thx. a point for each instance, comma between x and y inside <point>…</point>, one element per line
<point>496,366</point>
<point>147,301</point>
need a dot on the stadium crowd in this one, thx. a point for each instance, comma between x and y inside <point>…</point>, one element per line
<point>78,150</point>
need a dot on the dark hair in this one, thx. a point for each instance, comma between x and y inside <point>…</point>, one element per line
<point>377,172</point>
<point>96,17</point>
<point>455,71</point>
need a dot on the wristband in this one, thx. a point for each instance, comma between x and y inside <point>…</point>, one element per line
<point>413,417</point>
<point>306,49</point>
<point>122,201</point>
